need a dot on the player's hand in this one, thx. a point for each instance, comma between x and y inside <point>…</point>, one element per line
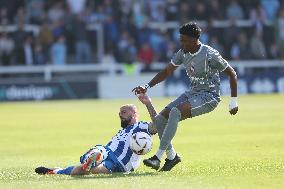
<point>140,89</point>
<point>233,106</point>
<point>144,98</point>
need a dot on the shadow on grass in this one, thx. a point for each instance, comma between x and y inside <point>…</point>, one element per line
<point>115,175</point>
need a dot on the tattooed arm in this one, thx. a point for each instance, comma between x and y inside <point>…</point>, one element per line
<point>151,110</point>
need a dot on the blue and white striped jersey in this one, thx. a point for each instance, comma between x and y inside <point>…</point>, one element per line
<point>120,145</point>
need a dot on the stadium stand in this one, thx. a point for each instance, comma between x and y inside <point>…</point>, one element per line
<point>78,39</point>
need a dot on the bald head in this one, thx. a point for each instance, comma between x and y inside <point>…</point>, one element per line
<point>128,115</point>
<point>130,107</point>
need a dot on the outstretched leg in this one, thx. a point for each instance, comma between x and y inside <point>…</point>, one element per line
<point>51,171</point>
<point>72,170</point>
<point>176,114</point>
<point>99,169</point>
<point>181,112</point>
<point>161,121</point>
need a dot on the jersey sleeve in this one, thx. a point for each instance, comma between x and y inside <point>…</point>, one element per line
<point>142,127</point>
<point>216,61</point>
<point>177,58</point>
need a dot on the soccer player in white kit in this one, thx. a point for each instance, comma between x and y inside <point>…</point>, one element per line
<point>203,65</point>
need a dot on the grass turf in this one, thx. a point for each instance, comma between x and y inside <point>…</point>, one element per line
<point>218,150</point>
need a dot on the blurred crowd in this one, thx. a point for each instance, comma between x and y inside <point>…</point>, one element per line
<point>130,35</point>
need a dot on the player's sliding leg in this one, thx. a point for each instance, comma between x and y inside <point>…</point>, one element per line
<point>72,170</point>
<point>99,169</point>
<point>94,158</point>
<point>49,171</point>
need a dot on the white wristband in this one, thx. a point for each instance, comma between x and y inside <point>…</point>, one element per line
<point>147,86</point>
<point>233,103</point>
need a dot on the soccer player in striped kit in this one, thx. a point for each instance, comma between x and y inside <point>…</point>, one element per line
<point>203,65</point>
<point>116,156</point>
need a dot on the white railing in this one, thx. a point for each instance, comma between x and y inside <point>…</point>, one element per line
<point>49,70</point>
<point>111,69</point>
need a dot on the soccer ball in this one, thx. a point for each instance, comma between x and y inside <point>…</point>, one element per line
<point>141,143</point>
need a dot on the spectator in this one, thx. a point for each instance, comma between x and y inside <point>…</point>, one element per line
<point>98,16</point>
<point>82,46</point>
<point>229,36</point>
<point>172,10</point>
<point>4,19</point>
<point>215,11</point>
<point>132,51</point>
<point>19,37</point>
<point>111,30</point>
<point>245,52</point>
<point>200,11</point>
<point>127,49</point>
<point>215,43</point>
<point>7,46</point>
<point>279,32</point>
<point>234,10</point>
<point>258,17</point>
<point>146,56</point>
<point>108,57</point>
<point>58,28</point>
<point>271,7</point>
<point>21,16</point>
<point>204,38</point>
<point>157,10</point>
<point>45,39</point>
<point>39,56</point>
<point>55,19</point>
<point>156,40</point>
<point>274,51</point>
<point>59,51</point>
<point>171,49</point>
<point>257,46</point>
<point>139,17</point>
<point>35,11</point>
<point>122,47</point>
<point>29,51</point>
<point>56,12</point>
<point>185,12</point>
<point>76,6</point>
<point>240,49</point>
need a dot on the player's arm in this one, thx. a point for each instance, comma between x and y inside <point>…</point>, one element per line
<point>146,100</point>
<point>161,76</point>
<point>233,106</point>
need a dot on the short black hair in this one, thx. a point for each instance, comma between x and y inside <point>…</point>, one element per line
<point>190,29</point>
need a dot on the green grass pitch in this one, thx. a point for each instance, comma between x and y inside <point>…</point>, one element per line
<point>218,150</point>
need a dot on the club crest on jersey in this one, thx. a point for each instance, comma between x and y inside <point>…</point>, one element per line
<point>191,69</point>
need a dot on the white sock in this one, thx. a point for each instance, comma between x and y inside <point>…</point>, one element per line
<point>171,154</point>
<point>160,153</point>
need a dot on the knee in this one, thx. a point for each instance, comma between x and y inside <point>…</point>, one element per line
<point>77,171</point>
<point>160,121</point>
<point>175,112</point>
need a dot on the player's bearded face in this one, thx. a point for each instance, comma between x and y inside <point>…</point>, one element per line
<point>124,122</point>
